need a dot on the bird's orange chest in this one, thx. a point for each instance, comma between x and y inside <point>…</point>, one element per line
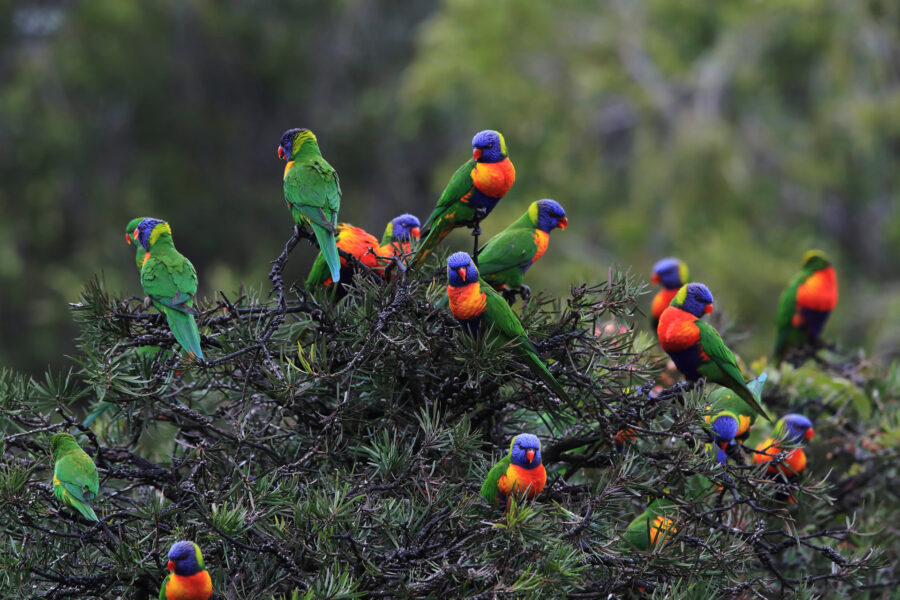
<point>191,587</point>
<point>819,291</point>
<point>530,481</point>
<point>494,179</point>
<point>661,301</point>
<point>357,242</point>
<point>466,302</point>
<point>677,330</point>
<point>541,241</point>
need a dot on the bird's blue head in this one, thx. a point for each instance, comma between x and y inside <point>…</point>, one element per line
<point>185,558</point>
<point>695,298</point>
<point>724,427</point>
<point>488,146</point>
<point>148,231</point>
<point>546,214</point>
<point>794,428</point>
<point>405,228</point>
<point>291,142</point>
<point>461,271</point>
<point>525,451</point>
<point>670,273</point>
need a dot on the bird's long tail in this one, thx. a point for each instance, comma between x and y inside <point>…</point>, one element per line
<point>184,328</point>
<point>546,376</point>
<point>432,239</point>
<point>751,393</point>
<point>328,249</point>
<point>84,508</point>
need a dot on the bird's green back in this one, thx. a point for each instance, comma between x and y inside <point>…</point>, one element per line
<point>489,489</point>
<point>312,189</point>
<point>169,278</point>
<point>512,247</point>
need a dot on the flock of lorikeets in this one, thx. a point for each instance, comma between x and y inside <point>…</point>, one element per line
<point>475,294</point>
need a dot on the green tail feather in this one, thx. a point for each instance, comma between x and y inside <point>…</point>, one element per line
<point>184,328</point>
<point>318,274</point>
<point>751,393</point>
<point>84,509</point>
<point>101,408</point>
<point>434,237</point>
<point>329,251</point>
<point>546,376</point>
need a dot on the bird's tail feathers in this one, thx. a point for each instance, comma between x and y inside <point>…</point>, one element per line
<point>184,328</point>
<point>546,376</point>
<point>329,251</point>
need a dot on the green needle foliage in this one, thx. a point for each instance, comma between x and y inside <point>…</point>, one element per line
<point>337,451</point>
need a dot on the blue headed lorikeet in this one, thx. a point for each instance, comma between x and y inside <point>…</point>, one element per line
<point>478,307</point>
<point>520,471</point>
<point>791,429</point>
<point>723,428</point>
<point>170,280</point>
<point>312,191</point>
<point>653,526</point>
<point>75,479</point>
<point>188,578</point>
<point>503,260</point>
<point>805,305</point>
<point>399,235</point>
<point>473,191</point>
<point>696,347</point>
<point>724,399</point>
<point>669,273</point>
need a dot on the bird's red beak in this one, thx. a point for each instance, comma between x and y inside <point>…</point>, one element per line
<point>462,272</point>
<point>810,434</point>
<point>414,233</point>
<point>530,455</point>
<point>654,279</point>
<point>708,309</point>
<point>171,566</point>
<point>562,223</point>
<point>128,239</point>
<point>476,153</point>
<point>281,153</point>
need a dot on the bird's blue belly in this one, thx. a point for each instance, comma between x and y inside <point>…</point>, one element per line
<point>471,326</point>
<point>479,200</point>
<point>688,361</point>
<point>813,322</point>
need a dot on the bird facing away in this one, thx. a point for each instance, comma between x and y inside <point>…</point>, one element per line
<point>188,578</point>
<point>170,280</point>
<point>670,274</point>
<point>504,259</point>
<point>473,191</point>
<point>696,347</point>
<point>805,305</point>
<point>479,308</point>
<point>356,242</point>
<point>75,479</point>
<point>520,471</point>
<point>312,191</point>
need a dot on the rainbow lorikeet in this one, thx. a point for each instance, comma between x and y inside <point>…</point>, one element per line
<point>724,399</point>
<point>653,526</point>
<point>399,235</point>
<point>473,192</point>
<point>503,260</point>
<point>696,347</point>
<point>520,471</point>
<point>805,305</point>
<point>141,255</point>
<point>356,242</point>
<point>312,191</point>
<point>75,479</point>
<point>188,578</point>
<point>669,273</point>
<point>171,282</point>
<point>791,430</point>
<point>478,307</point>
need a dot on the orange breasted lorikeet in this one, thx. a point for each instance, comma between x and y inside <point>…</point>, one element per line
<point>188,578</point>
<point>696,347</point>
<point>792,429</point>
<point>75,480</point>
<point>478,307</point>
<point>653,526</point>
<point>312,191</point>
<point>520,471</point>
<point>724,399</point>
<point>170,280</point>
<point>503,260</point>
<point>399,235</point>
<point>805,305</point>
<point>669,273</point>
<point>473,191</point>
<point>356,242</point>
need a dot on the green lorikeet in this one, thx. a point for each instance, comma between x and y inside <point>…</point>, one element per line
<point>520,471</point>
<point>724,399</point>
<point>670,274</point>
<point>75,480</point>
<point>171,282</point>
<point>805,305</point>
<point>653,526</point>
<point>473,191</point>
<point>502,262</point>
<point>312,191</point>
<point>188,578</point>
<point>696,347</point>
<point>131,236</point>
<point>478,307</point>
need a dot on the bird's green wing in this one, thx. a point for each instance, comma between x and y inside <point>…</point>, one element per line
<point>512,247</point>
<point>78,474</point>
<point>459,185</point>
<point>786,306</point>
<point>162,589</point>
<point>170,279</point>
<point>489,489</point>
<point>723,368</point>
<point>314,190</point>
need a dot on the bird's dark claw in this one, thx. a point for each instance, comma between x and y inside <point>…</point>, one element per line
<point>525,292</point>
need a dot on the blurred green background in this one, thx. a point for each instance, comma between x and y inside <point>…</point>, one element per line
<point>733,134</point>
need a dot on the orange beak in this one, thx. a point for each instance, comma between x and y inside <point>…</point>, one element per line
<point>414,233</point>
<point>281,154</point>
<point>530,455</point>
<point>171,566</point>
<point>476,153</point>
<point>810,434</point>
<point>708,309</point>
<point>563,223</point>
<point>654,279</point>
<point>462,272</point>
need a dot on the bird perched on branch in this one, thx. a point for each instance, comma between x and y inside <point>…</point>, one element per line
<point>723,428</point>
<point>653,526</point>
<point>504,259</point>
<point>479,308</point>
<point>791,430</point>
<point>472,193</point>
<point>188,578</point>
<point>356,242</point>
<point>696,347</point>
<point>669,273</point>
<point>519,472</point>
<point>170,280</point>
<point>399,236</point>
<point>805,305</point>
<point>725,399</point>
<point>75,479</point>
<point>312,191</point>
